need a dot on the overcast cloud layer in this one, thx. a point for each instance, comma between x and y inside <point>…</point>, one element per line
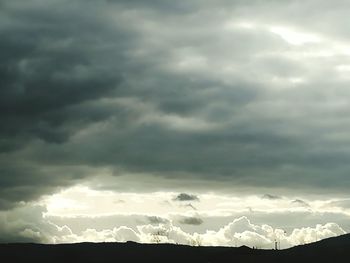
<point>174,95</point>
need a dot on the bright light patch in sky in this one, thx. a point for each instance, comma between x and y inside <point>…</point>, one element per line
<point>232,25</point>
<point>214,218</point>
<point>83,201</point>
<point>294,37</point>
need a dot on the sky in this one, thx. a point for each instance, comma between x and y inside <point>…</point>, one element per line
<point>193,122</point>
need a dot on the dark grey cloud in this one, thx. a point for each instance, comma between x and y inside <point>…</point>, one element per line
<point>191,221</point>
<point>271,197</point>
<point>186,197</point>
<point>173,90</point>
<point>25,224</point>
<point>157,220</point>
<point>49,64</point>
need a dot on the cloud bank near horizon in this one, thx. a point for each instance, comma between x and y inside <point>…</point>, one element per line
<point>236,233</point>
<point>80,214</point>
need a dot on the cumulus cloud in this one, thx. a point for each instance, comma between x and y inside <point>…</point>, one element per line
<point>308,234</point>
<point>31,224</point>
<point>237,233</point>
<point>120,234</point>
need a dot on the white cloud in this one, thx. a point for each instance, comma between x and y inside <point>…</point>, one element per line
<point>120,234</point>
<point>308,234</point>
<point>240,231</point>
<point>106,210</point>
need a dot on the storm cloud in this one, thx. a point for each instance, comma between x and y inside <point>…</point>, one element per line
<point>230,93</point>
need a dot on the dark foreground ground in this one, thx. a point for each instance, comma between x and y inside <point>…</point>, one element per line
<point>329,250</point>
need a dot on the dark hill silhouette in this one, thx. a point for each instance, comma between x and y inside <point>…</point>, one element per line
<point>335,249</point>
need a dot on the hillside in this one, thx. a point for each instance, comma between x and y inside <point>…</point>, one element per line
<point>333,249</point>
